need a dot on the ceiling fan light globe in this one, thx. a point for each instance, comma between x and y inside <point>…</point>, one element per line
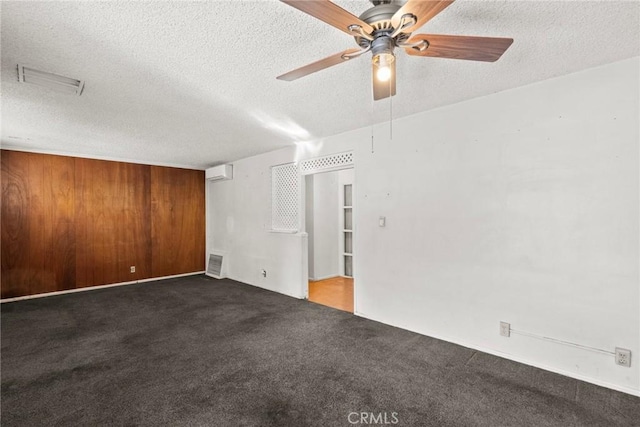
<point>382,62</point>
<point>383,74</point>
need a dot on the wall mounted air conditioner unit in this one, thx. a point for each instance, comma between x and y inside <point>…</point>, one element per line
<point>215,266</point>
<point>219,173</point>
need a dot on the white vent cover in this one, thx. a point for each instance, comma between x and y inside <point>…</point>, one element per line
<point>285,195</point>
<point>327,163</point>
<point>219,173</point>
<point>50,80</point>
<point>214,266</point>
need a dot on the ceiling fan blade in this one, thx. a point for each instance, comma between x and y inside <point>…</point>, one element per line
<point>331,13</point>
<point>488,49</point>
<point>386,89</point>
<point>317,66</point>
<point>422,9</point>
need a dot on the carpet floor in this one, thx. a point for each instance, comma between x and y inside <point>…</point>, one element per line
<point>196,351</point>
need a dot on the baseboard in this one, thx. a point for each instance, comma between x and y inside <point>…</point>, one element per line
<point>299,295</point>
<point>315,279</point>
<point>91,288</point>
<point>174,276</point>
<point>623,389</point>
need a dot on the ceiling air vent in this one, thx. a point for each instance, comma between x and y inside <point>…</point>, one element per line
<point>50,80</point>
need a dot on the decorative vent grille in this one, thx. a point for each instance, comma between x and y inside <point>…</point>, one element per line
<point>285,191</point>
<point>214,268</point>
<point>326,163</point>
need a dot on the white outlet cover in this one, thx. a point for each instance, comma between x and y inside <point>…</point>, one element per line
<point>623,357</point>
<point>505,329</point>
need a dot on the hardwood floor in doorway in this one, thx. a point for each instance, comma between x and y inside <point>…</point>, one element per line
<point>336,292</point>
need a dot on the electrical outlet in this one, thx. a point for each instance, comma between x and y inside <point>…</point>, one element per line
<point>264,273</point>
<point>505,329</point>
<point>132,268</point>
<point>623,357</point>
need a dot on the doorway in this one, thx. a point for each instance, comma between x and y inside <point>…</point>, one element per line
<point>329,225</point>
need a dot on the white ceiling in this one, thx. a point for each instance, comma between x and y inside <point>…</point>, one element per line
<point>194,83</point>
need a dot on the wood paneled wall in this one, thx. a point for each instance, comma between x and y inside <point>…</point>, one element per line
<point>71,222</point>
<point>112,218</point>
<point>38,230</point>
<point>177,207</point>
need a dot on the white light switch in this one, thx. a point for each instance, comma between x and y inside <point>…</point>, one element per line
<point>382,221</point>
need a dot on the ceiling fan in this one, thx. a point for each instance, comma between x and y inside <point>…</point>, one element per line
<point>385,26</point>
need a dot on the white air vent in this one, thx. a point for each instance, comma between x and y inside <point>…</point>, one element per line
<point>214,267</point>
<point>327,163</point>
<point>219,173</point>
<point>50,80</point>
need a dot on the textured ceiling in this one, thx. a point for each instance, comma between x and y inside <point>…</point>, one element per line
<point>194,83</point>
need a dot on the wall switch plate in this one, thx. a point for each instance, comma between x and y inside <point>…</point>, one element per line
<point>133,268</point>
<point>382,221</point>
<point>505,329</point>
<point>623,357</point>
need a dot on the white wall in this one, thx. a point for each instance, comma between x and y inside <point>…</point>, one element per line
<point>522,206</point>
<point>325,231</point>
<point>239,223</point>
<point>309,223</point>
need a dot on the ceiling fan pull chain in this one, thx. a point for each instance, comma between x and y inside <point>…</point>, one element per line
<point>372,122</point>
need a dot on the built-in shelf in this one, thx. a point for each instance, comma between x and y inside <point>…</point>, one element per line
<point>347,229</point>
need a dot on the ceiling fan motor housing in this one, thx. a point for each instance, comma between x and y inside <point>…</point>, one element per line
<point>379,17</point>
<point>382,45</point>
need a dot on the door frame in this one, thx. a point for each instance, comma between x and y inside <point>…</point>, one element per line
<point>304,171</point>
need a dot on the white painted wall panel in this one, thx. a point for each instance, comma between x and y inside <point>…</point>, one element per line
<point>309,225</point>
<point>325,225</point>
<point>239,223</point>
<point>519,207</point>
<point>522,206</point>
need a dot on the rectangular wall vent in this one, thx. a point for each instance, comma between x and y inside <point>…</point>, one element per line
<point>50,80</point>
<point>214,267</point>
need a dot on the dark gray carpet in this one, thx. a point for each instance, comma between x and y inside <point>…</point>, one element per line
<point>200,352</point>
